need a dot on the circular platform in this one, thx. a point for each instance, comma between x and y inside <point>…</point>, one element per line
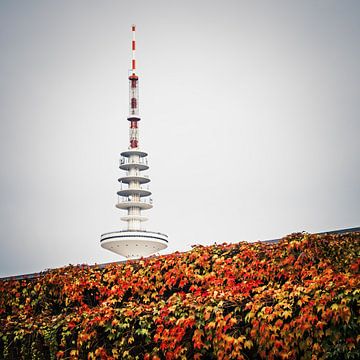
<point>128,192</point>
<point>134,243</point>
<point>128,153</point>
<point>139,179</point>
<point>139,204</point>
<point>134,217</point>
<point>132,165</point>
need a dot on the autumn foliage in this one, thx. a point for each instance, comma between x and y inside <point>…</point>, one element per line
<point>297,299</point>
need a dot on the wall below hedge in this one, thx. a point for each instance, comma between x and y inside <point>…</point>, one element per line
<point>297,299</point>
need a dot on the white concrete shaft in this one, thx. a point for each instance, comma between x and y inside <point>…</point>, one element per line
<point>134,161</point>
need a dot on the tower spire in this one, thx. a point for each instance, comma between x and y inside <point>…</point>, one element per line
<point>133,97</point>
<point>133,48</point>
<point>132,197</point>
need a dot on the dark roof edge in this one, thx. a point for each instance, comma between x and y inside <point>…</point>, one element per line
<point>341,231</point>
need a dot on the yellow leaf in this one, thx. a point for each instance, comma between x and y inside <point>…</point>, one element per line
<point>74,354</point>
<point>248,344</point>
<point>249,316</point>
<point>287,314</point>
<point>211,325</point>
<point>241,339</point>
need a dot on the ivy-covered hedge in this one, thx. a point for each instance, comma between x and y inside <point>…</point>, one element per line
<point>297,299</point>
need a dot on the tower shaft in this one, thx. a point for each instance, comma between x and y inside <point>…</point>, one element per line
<point>132,196</point>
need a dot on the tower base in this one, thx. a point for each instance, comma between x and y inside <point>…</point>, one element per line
<point>134,244</point>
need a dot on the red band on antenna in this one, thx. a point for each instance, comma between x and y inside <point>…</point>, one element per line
<point>133,46</point>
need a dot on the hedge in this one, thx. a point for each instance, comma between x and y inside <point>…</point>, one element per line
<point>296,299</point>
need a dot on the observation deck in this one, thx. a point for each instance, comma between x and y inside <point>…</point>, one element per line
<point>134,243</point>
<point>127,203</point>
<point>141,179</point>
<point>129,153</point>
<point>134,191</point>
<point>127,164</point>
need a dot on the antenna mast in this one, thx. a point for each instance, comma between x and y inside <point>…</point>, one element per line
<point>133,97</point>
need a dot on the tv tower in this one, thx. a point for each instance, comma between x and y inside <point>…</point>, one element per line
<point>134,242</point>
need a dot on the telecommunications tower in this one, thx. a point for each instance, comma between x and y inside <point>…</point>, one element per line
<point>134,242</point>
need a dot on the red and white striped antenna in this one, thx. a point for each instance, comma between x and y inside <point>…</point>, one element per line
<point>133,62</point>
<point>134,97</point>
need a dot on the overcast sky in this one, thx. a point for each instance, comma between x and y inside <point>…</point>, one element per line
<point>250,115</point>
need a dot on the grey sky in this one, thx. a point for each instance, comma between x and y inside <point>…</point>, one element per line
<point>250,114</point>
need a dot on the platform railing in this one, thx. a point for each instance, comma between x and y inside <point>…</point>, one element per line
<point>137,173</point>
<point>125,160</point>
<point>139,187</point>
<point>144,200</point>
